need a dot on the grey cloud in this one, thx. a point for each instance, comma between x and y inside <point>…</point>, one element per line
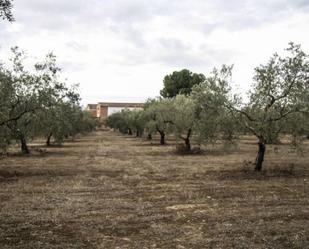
<point>77,46</point>
<point>128,19</point>
<point>51,14</point>
<point>70,66</point>
<point>81,12</point>
<point>55,16</point>
<point>167,51</point>
<point>120,14</point>
<point>53,6</point>
<point>129,24</point>
<point>177,53</point>
<point>181,59</point>
<point>236,15</point>
<point>173,44</point>
<point>135,11</point>
<point>182,56</point>
<point>202,56</point>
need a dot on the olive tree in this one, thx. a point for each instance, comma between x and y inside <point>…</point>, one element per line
<point>136,121</point>
<point>128,121</point>
<point>183,118</point>
<point>158,114</point>
<point>55,118</point>
<point>60,114</point>
<point>119,121</point>
<point>34,103</point>
<point>214,120</point>
<point>6,89</point>
<point>23,95</point>
<point>78,121</point>
<point>64,119</point>
<point>4,139</point>
<point>279,95</point>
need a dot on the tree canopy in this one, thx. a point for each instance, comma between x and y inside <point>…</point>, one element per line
<point>6,10</point>
<point>35,102</point>
<point>215,120</point>
<point>180,82</point>
<point>158,115</point>
<point>204,110</point>
<point>279,96</point>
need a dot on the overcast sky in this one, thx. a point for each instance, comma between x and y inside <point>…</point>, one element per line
<point>120,50</point>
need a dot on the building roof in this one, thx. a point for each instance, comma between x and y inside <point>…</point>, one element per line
<point>119,104</point>
<point>92,106</point>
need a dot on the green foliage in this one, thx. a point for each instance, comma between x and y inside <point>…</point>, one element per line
<point>280,91</point>
<point>23,96</point>
<point>136,121</point>
<point>278,100</point>
<point>183,116</point>
<point>6,10</point>
<point>158,117</point>
<point>203,115</point>
<point>203,108</point>
<point>214,119</point>
<point>180,82</point>
<point>35,103</point>
<point>4,139</point>
<point>119,121</point>
<point>128,121</point>
<point>63,120</point>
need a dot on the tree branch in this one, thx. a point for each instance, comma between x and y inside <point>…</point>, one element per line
<point>252,130</point>
<point>15,118</point>
<point>243,113</point>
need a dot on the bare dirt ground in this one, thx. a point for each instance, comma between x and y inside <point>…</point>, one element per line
<point>105,190</point>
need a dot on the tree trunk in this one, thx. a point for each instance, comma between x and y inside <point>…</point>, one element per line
<point>187,140</point>
<point>260,155</point>
<point>187,143</point>
<point>130,131</point>
<point>24,147</point>
<point>149,137</point>
<point>137,133</point>
<point>48,139</point>
<point>162,137</point>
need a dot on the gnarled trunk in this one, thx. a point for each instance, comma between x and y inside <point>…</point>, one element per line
<point>187,140</point>
<point>162,137</point>
<point>188,145</point>
<point>260,155</point>
<point>23,145</point>
<point>48,139</point>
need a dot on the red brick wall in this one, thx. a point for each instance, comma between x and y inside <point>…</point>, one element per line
<point>93,113</point>
<point>102,112</point>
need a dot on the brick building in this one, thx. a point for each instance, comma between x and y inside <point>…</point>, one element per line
<point>103,109</point>
<point>92,108</point>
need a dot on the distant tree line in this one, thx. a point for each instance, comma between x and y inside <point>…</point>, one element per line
<point>35,103</point>
<point>193,106</point>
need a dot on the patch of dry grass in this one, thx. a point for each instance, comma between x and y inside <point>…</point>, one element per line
<point>110,191</point>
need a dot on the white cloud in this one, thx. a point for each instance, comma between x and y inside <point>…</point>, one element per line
<point>122,49</point>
